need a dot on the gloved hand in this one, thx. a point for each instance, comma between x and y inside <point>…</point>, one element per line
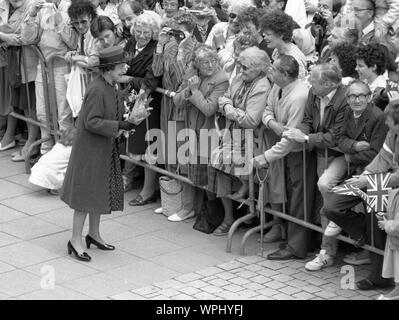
<point>125,125</point>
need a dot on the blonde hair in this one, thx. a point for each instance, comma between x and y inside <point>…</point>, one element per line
<point>146,19</point>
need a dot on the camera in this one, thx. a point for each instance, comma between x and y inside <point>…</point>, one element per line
<point>318,17</point>
<point>177,34</point>
<point>126,34</point>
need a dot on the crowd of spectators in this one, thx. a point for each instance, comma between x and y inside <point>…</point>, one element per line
<point>313,75</point>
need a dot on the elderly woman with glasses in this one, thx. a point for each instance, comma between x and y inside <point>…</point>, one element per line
<point>223,34</point>
<point>198,96</point>
<point>242,106</point>
<point>141,47</point>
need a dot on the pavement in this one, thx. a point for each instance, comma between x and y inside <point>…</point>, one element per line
<point>154,259</point>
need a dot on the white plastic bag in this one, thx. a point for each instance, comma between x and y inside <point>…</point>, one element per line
<point>77,83</point>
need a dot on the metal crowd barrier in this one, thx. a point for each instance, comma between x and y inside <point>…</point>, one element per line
<point>47,69</point>
<point>251,201</point>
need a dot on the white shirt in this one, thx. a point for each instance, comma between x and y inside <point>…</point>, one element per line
<point>297,10</point>
<point>368,29</point>
<point>379,82</point>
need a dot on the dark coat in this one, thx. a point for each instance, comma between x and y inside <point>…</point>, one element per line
<point>371,128</point>
<point>326,135</point>
<point>87,180</point>
<point>140,67</point>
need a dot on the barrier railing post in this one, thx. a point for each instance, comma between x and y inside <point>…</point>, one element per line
<point>34,121</point>
<point>305,184</point>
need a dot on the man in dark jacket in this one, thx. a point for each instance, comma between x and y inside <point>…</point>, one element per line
<point>364,129</point>
<point>362,136</point>
<point>320,130</point>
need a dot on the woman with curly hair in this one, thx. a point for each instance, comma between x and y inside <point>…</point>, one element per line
<point>277,28</point>
<point>343,55</point>
<point>371,63</point>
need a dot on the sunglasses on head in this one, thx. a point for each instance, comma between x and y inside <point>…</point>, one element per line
<point>232,15</point>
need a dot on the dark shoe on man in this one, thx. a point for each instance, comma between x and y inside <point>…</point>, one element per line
<point>282,254</point>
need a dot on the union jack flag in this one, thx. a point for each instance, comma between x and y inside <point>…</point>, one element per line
<point>377,191</point>
<point>350,190</point>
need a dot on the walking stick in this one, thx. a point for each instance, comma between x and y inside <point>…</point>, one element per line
<point>261,207</point>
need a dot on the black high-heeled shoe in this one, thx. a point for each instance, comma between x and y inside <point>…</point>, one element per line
<point>83,257</point>
<point>90,240</point>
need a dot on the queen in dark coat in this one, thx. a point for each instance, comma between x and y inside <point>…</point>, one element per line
<point>141,47</point>
<point>93,181</point>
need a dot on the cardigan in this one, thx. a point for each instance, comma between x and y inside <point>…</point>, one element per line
<point>288,110</point>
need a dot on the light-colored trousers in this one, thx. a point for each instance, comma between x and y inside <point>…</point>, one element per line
<point>331,173</point>
<point>64,112</point>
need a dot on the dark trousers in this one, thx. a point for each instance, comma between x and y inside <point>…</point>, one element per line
<point>298,236</point>
<point>338,209</point>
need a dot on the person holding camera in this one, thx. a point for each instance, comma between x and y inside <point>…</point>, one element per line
<point>206,19</point>
<point>172,58</point>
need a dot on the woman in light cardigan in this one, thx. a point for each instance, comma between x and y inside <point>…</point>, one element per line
<point>243,106</point>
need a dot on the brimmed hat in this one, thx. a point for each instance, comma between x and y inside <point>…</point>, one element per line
<point>112,56</point>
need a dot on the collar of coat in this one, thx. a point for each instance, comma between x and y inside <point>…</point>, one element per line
<point>146,51</point>
<point>338,98</point>
<point>362,120</point>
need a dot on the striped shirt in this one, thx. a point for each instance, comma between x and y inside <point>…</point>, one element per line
<point>172,69</point>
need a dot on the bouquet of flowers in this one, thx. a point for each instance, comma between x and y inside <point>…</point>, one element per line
<point>137,106</point>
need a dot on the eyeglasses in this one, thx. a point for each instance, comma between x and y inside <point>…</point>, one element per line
<point>206,63</point>
<point>361,97</point>
<point>360,9</point>
<point>242,67</point>
<point>143,33</point>
<point>232,15</point>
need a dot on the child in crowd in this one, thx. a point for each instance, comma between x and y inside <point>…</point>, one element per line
<point>49,171</point>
